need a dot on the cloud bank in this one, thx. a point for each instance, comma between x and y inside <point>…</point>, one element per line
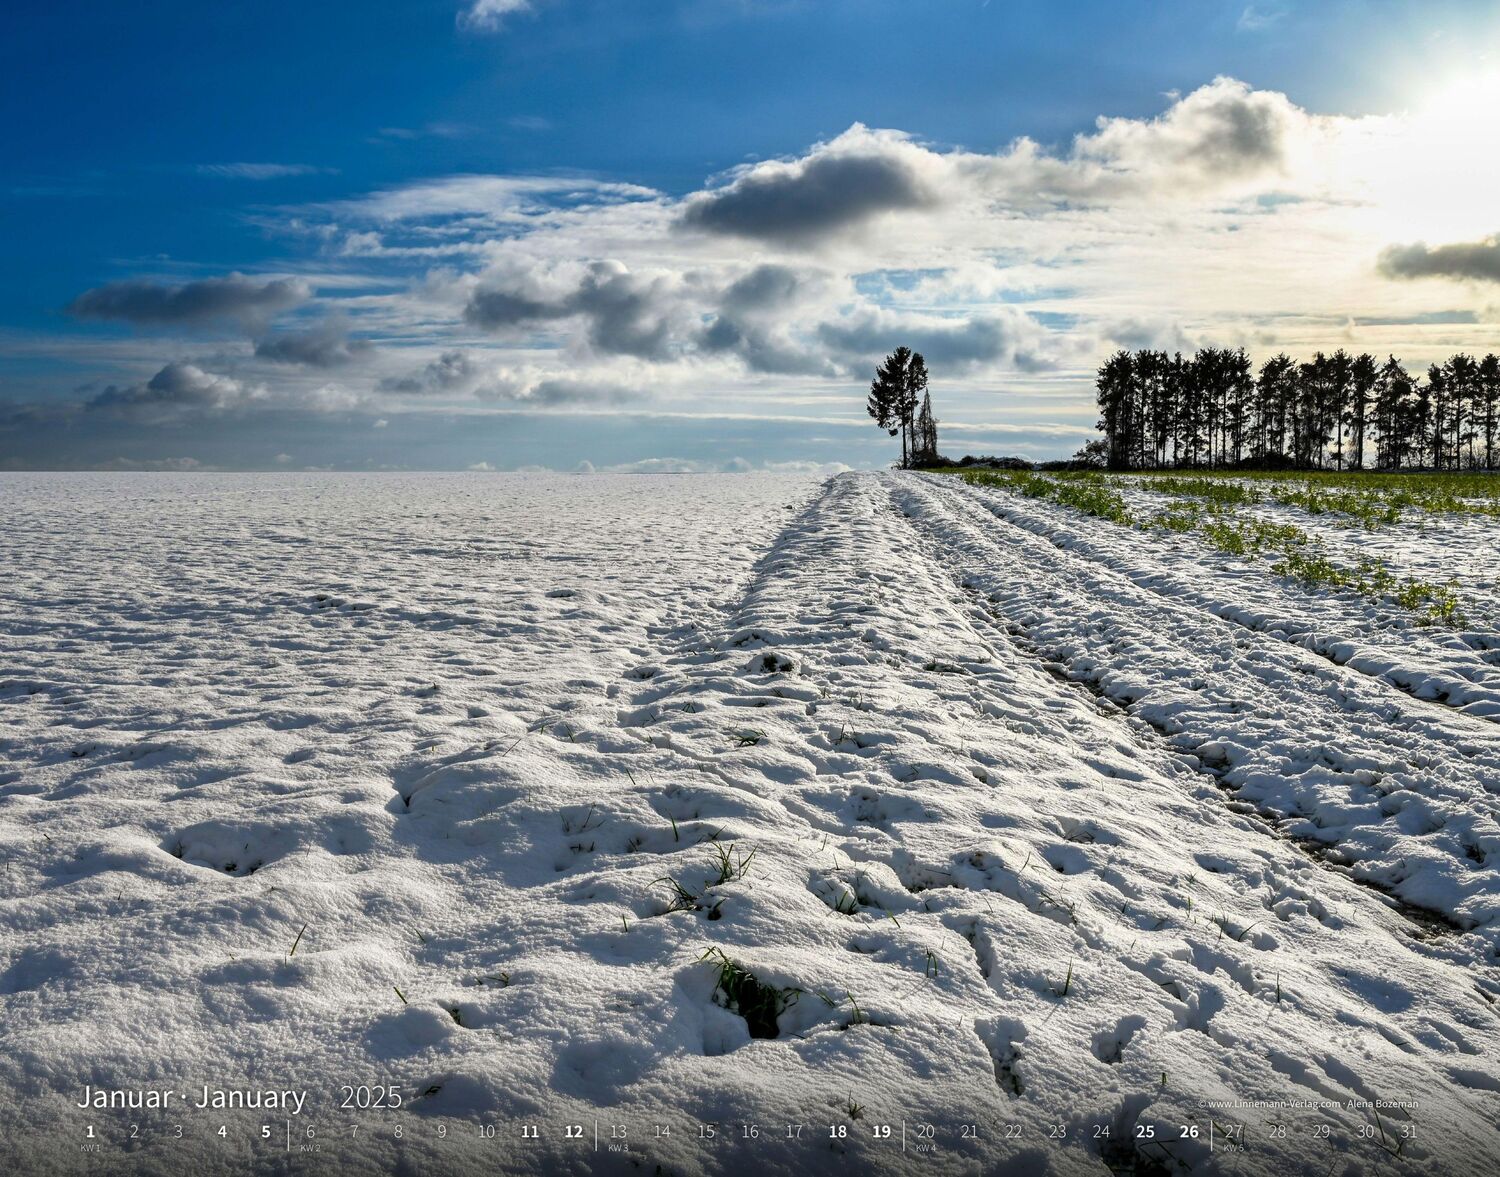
<point>768,293</point>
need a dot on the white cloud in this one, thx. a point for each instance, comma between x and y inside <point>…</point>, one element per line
<point>1262,14</point>
<point>324,345</point>
<point>1224,138</point>
<point>436,130</point>
<point>827,469</point>
<point>664,466</point>
<point>496,199</point>
<point>490,15</point>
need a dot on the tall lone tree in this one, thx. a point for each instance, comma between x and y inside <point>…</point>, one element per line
<point>898,387</point>
<point>884,393</point>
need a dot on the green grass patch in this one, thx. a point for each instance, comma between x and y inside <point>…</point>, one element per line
<point>741,992</point>
<point>1249,537</point>
<point>1375,500</point>
<point>1204,504</point>
<point>1092,494</point>
<point>1434,604</point>
<point>1181,516</point>
<point>1199,486</point>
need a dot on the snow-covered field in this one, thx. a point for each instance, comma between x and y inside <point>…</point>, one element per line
<point>1050,846</point>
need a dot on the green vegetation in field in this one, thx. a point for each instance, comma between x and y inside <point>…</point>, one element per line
<point>1433,604</point>
<point>1090,493</point>
<point>1206,503</point>
<point>1473,485</point>
<point>1249,537</point>
<point>1217,490</point>
<point>1180,515</point>
<point>740,991</point>
<point>1375,500</point>
<point>1372,508</point>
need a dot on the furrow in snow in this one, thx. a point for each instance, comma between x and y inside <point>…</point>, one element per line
<point>1451,668</point>
<point>1405,797</point>
<point>950,787</point>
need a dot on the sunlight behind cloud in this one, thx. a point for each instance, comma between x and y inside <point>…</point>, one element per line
<point>1435,177</point>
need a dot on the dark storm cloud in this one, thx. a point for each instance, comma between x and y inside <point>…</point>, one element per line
<point>1477,261</point>
<point>821,194</point>
<point>1014,339</point>
<point>178,385</point>
<point>563,392</point>
<point>762,349</point>
<point>625,313</point>
<point>494,309</point>
<point>453,371</point>
<point>768,286</point>
<point>146,303</point>
<point>325,346</point>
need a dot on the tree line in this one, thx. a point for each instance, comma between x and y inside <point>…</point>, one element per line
<point>1339,411</point>
<point>900,403</point>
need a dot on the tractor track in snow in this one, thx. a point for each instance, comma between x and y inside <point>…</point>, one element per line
<point>1447,671</point>
<point>1401,796</point>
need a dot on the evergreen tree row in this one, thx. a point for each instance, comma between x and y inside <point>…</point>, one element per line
<point>1334,411</point>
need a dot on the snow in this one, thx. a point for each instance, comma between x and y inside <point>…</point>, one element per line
<point>1041,825</point>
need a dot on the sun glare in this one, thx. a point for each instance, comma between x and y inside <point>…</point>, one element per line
<point>1436,179</point>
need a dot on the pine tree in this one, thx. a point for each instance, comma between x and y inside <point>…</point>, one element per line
<point>1177,377</point>
<point>1462,376</point>
<point>911,396</point>
<point>1240,386</point>
<point>1489,405</point>
<point>900,385</point>
<point>1153,376</point>
<point>887,391</point>
<point>1114,391</point>
<point>1347,411</point>
<point>1395,408</point>
<point>1309,436</point>
<point>1419,420</point>
<point>1362,376</point>
<point>926,433</point>
<point>1195,421</point>
<point>1437,392</point>
<point>1335,407</point>
<point>1277,391</point>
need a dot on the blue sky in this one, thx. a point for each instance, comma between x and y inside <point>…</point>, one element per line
<point>434,235</point>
